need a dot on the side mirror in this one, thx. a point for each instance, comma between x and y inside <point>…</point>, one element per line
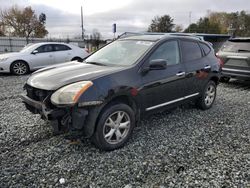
<point>34,52</point>
<point>158,64</point>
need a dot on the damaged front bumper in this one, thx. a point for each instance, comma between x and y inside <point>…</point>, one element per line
<point>76,120</point>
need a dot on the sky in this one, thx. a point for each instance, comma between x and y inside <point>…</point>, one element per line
<point>64,17</point>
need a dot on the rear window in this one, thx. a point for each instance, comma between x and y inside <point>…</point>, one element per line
<point>236,46</point>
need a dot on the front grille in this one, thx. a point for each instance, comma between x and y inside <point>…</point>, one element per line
<point>37,94</point>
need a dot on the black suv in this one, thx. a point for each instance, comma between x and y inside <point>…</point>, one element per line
<point>109,92</point>
<point>235,54</point>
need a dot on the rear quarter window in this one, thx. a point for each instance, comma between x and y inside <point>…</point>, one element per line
<point>190,51</point>
<point>205,48</point>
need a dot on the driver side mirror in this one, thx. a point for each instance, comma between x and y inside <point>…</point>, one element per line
<point>156,64</point>
<point>34,52</point>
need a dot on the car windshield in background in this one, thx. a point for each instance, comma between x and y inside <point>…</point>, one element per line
<point>27,48</point>
<point>121,52</point>
<point>236,46</point>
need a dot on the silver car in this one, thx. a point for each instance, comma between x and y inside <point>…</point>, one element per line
<point>39,55</point>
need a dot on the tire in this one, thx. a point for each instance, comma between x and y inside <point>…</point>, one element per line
<point>77,59</point>
<point>109,135</point>
<point>225,79</point>
<point>208,96</point>
<point>19,68</point>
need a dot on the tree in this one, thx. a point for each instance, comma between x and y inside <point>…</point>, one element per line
<point>23,23</point>
<point>234,23</point>
<point>161,24</point>
<point>178,28</point>
<point>204,26</point>
<point>1,29</point>
<point>95,38</point>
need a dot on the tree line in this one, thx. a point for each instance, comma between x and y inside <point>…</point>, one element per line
<point>235,23</point>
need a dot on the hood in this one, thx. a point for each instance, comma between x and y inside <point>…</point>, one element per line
<point>54,77</point>
<point>7,55</point>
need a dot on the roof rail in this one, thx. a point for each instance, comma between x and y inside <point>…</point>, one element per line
<point>128,34</point>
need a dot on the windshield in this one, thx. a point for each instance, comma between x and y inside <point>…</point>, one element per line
<point>235,46</point>
<point>28,47</point>
<point>125,52</point>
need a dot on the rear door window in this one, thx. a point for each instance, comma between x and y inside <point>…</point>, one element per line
<point>190,51</point>
<point>61,47</point>
<point>236,46</point>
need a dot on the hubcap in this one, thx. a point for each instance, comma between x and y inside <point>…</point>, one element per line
<point>20,68</point>
<point>116,127</point>
<point>210,95</point>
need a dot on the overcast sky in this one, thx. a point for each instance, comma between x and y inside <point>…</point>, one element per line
<point>63,17</point>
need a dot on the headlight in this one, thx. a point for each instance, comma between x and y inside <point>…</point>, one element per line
<point>69,95</point>
<point>3,59</point>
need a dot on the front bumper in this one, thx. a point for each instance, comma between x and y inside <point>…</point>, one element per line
<point>38,107</point>
<point>4,67</point>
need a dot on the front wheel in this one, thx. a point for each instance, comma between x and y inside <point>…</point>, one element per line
<point>208,96</point>
<point>114,127</point>
<point>19,68</point>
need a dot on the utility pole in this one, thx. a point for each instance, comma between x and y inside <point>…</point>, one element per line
<point>190,16</point>
<point>82,24</point>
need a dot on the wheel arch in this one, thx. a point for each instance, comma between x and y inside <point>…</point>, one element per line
<point>21,61</point>
<point>90,128</point>
<point>215,79</point>
<point>76,58</point>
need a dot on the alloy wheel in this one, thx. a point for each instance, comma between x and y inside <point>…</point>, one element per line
<point>116,127</point>
<point>210,95</point>
<point>19,68</point>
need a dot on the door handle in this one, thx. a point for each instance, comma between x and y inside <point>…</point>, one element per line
<point>180,74</point>
<point>50,55</point>
<point>207,67</point>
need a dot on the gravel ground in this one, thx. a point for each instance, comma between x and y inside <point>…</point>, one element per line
<point>184,147</point>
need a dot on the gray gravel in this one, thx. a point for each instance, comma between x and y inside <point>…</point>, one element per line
<point>184,147</point>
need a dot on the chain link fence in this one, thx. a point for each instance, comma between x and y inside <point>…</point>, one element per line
<point>15,44</point>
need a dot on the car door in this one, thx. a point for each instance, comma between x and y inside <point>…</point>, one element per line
<point>164,87</point>
<point>196,66</point>
<point>42,56</point>
<point>62,53</point>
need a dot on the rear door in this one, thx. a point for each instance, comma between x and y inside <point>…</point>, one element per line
<point>164,87</point>
<point>196,66</point>
<point>62,53</point>
<point>43,57</point>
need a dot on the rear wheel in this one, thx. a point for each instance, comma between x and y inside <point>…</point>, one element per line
<point>114,127</point>
<point>208,96</point>
<point>19,68</point>
<point>225,79</point>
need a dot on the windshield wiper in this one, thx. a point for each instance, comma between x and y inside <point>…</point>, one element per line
<point>241,50</point>
<point>96,63</point>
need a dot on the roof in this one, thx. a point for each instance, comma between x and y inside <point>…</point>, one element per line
<point>150,36</point>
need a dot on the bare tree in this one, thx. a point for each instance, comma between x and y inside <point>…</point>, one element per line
<point>95,38</point>
<point>23,22</point>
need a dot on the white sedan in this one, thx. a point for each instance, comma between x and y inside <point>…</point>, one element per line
<point>39,55</point>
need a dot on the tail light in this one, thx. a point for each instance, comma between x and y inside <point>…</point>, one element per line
<point>220,61</point>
